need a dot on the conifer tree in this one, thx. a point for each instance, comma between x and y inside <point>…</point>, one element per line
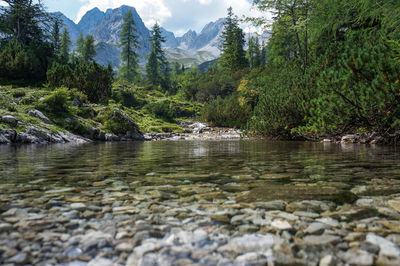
<point>65,44</point>
<point>85,48</point>
<point>129,42</point>
<point>55,37</point>
<point>157,67</point>
<point>233,56</point>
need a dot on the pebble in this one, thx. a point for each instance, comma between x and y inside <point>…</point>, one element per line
<point>387,248</point>
<point>78,206</point>
<point>281,224</point>
<point>5,227</point>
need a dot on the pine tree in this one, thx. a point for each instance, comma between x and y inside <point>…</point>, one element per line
<point>157,68</point>
<point>85,48</point>
<point>129,42</point>
<point>55,37</point>
<point>233,56</point>
<point>24,21</point>
<point>65,44</point>
<point>80,45</point>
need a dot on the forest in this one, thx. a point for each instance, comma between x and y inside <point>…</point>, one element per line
<point>329,68</point>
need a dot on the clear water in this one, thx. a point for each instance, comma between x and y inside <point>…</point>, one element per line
<point>232,170</point>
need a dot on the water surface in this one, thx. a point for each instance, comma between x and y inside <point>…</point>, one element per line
<point>231,170</point>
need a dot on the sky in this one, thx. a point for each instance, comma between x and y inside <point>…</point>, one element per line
<point>177,16</point>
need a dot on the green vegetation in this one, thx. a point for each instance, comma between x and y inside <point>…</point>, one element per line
<point>330,68</point>
<point>157,68</point>
<point>129,42</point>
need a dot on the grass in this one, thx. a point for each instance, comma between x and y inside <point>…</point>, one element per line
<point>17,101</point>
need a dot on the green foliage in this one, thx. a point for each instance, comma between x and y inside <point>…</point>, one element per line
<point>157,67</point>
<point>18,62</point>
<point>332,71</point>
<point>228,112</point>
<point>24,21</point>
<point>57,103</point>
<point>116,121</point>
<point>126,97</point>
<point>233,56</point>
<point>85,48</point>
<point>162,109</point>
<point>90,78</point>
<point>55,37</point>
<point>65,45</point>
<point>129,42</point>
<point>278,108</point>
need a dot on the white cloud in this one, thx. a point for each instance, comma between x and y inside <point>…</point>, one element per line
<point>176,15</point>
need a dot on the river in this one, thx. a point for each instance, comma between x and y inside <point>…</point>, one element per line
<point>199,202</point>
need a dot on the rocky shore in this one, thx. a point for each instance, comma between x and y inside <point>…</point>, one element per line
<point>192,224</point>
<point>42,135</point>
<point>366,138</point>
<point>194,130</point>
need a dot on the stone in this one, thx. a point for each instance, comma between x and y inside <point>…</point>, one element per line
<point>5,227</point>
<point>358,257</point>
<point>281,224</point>
<point>8,119</point>
<point>316,228</point>
<point>394,204</point>
<point>124,247</point>
<point>250,243</point>
<point>247,258</point>
<point>321,240</point>
<point>271,205</point>
<point>349,139</point>
<point>100,262</point>
<point>40,115</point>
<point>328,260</point>
<point>20,258</point>
<point>306,214</point>
<point>329,221</point>
<point>387,248</point>
<point>223,218</point>
<point>78,206</point>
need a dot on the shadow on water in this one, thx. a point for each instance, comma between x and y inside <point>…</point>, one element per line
<point>244,170</point>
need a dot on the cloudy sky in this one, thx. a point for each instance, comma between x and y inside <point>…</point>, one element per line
<point>175,15</point>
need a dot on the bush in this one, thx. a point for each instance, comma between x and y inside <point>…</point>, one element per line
<point>24,63</point>
<point>126,97</point>
<point>92,79</point>
<point>57,103</point>
<point>116,121</point>
<point>228,112</point>
<point>163,109</point>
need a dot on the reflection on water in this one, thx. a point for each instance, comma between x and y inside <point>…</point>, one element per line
<point>230,166</point>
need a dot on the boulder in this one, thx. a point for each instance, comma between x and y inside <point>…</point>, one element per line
<point>40,115</point>
<point>8,119</point>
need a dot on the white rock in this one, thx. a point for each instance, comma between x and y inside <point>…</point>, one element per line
<point>328,260</point>
<point>281,224</point>
<point>359,257</point>
<point>251,243</point>
<point>316,228</point>
<point>78,206</point>
<point>101,262</point>
<point>124,247</point>
<point>387,248</point>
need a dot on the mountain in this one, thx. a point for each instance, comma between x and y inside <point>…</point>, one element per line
<point>72,28</point>
<point>190,49</point>
<point>187,40</point>
<point>90,21</point>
